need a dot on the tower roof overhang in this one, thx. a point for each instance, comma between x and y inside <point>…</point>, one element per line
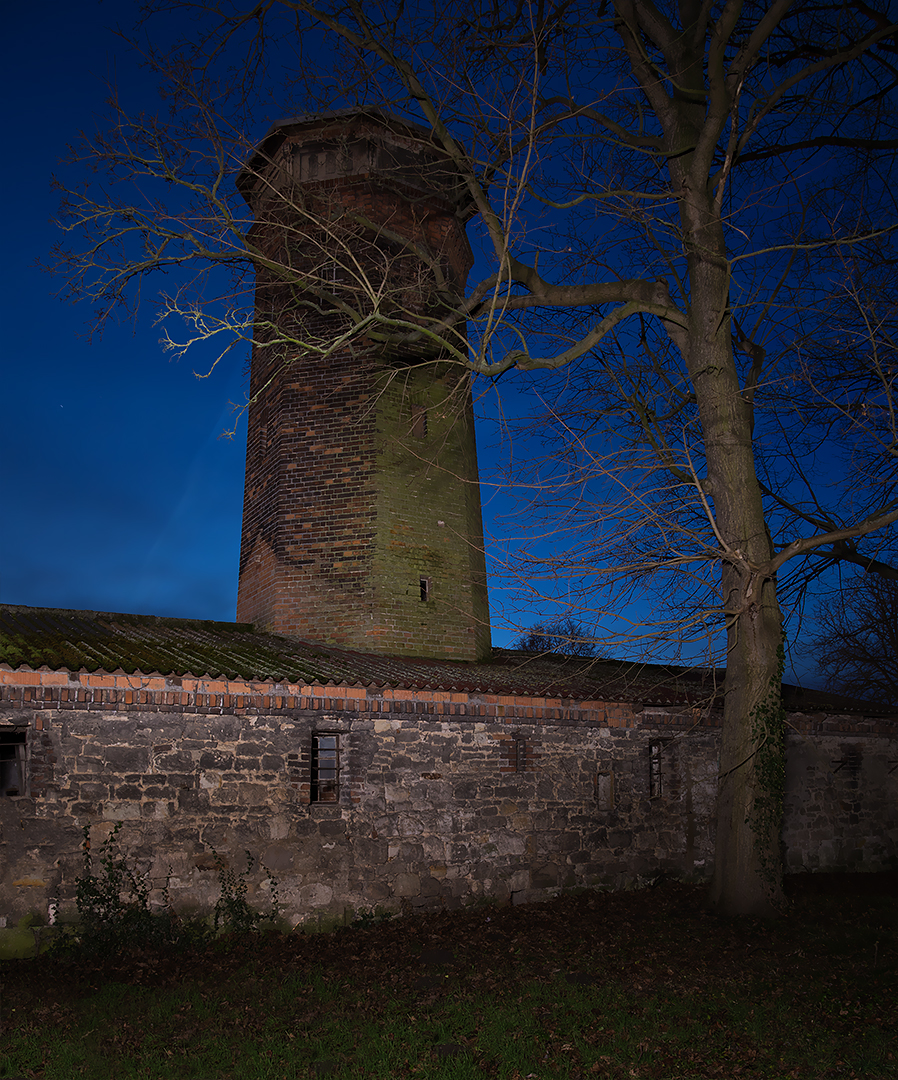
<point>377,123</point>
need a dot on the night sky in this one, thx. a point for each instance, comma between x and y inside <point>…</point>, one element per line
<point>118,493</point>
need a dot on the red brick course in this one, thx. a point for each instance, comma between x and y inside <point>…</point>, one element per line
<point>42,690</point>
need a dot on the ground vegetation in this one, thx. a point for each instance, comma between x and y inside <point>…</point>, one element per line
<point>641,985</point>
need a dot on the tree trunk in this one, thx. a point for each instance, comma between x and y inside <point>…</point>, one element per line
<point>747,871</point>
<point>748,864</point>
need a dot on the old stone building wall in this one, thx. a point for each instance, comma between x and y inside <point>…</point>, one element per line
<point>841,808</point>
<point>441,798</point>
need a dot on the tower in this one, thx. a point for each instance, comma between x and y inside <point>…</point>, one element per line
<point>361,522</point>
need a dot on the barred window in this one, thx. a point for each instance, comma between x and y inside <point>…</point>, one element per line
<point>325,767</point>
<point>655,751</point>
<point>12,761</point>
<point>519,753</point>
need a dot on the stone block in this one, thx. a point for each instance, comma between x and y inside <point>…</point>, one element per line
<point>545,877</point>
<point>250,749</point>
<point>508,844</point>
<point>278,857</point>
<point>519,881</point>
<point>180,761</point>
<point>332,828</point>
<point>396,793</point>
<point>315,895</point>
<point>407,885</point>
<point>127,791</point>
<point>376,890</point>
<point>253,794</point>
<point>216,759</point>
<point>192,801</point>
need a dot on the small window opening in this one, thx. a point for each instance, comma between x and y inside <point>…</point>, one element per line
<point>850,760</point>
<point>419,422</point>
<point>325,773</point>
<point>12,761</point>
<point>655,769</point>
<point>520,754</point>
<point>425,588</point>
<point>604,782</point>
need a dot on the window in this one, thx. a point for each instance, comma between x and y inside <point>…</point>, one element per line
<point>419,422</point>
<point>604,790</point>
<point>425,585</point>
<point>850,760</point>
<point>12,761</point>
<point>520,753</point>
<point>655,750</point>
<point>325,767</point>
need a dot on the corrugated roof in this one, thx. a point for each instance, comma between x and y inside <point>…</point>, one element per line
<point>94,641</point>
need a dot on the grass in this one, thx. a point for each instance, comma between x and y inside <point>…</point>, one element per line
<point>622,986</point>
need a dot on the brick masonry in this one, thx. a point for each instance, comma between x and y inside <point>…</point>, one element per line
<point>361,469</point>
<point>443,797</point>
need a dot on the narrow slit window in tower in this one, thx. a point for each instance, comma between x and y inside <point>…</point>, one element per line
<point>419,421</point>
<point>425,589</point>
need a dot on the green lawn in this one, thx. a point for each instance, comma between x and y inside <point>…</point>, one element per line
<point>627,985</point>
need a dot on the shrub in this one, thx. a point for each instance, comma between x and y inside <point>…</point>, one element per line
<point>114,913</point>
<point>232,912</point>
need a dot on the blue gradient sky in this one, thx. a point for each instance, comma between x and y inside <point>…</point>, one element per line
<point>118,493</point>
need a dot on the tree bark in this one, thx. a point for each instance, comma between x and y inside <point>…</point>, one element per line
<point>747,871</point>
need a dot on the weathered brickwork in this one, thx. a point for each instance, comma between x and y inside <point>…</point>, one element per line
<point>442,797</point>
<point>842,802</point>
<point>429,525</point>
<point>362,522</point>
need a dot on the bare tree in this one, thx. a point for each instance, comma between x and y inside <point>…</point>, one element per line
<point>858,646</point>
<point>565,636</point>
<point>667,199</point>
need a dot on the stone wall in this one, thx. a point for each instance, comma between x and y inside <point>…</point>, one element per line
<point>841,802</point>
<point>442,799</point>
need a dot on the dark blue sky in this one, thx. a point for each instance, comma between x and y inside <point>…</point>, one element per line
<point>117,492</point>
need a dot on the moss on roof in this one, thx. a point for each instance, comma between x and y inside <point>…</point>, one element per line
<point>96,641</point>
<point>105,641</point>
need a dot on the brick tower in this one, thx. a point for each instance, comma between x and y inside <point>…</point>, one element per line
<point>361,519</point>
